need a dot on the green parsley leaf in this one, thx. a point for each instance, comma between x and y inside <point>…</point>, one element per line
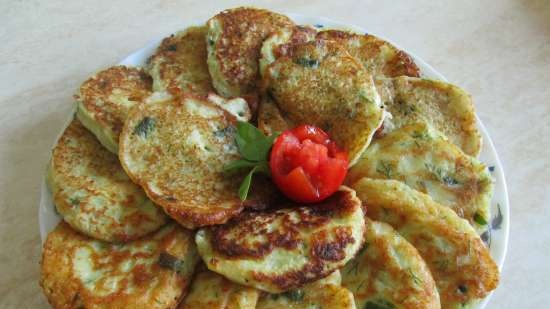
<point>379,304</point>
<point>479,219</point>
<point>245,185</point>
<point>238,164</point>
<point>253,144</point>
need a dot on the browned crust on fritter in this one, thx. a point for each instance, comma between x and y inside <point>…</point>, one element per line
<point>300,34</point>
<point>94,94</point>
<point>238,49</point>
<point>64,290</point>
<point>181,61</point>
<point>254,223</point>
<point>369,50</point>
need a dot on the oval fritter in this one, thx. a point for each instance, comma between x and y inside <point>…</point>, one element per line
<point>460,263</point>
<point>446,107</point>
<point>153,272</point>
<point>279,42</point>
<point>104,100</point>
<point>427,161</point>
<point>93,194</point>
<point>179,63</point>
<point>319,83</point>
<point>213,291</point>
<point>279,250</point>
<point>234,40</point>
<point>389,272</point>
<point>380,58</point>
<point>176,149</point>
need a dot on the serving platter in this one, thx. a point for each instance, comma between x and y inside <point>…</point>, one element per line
<point>496,237</point>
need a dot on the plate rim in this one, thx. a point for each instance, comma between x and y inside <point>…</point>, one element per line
<point>46,199</point>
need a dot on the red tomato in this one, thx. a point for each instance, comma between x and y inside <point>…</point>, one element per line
<point>306,165</point>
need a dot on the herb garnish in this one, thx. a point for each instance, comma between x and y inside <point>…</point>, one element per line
<point>479,219</point>
<point>385,168</point>
<point>308,63</point>
<point>379,304</point>
<point>74,201</point>
<point>254,147</point>
<point>294,295</point>
<point>144,127</point>
<point>441,175</point>
<point>169,261</point>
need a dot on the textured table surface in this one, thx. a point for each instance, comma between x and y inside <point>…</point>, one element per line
<point>498,50</point>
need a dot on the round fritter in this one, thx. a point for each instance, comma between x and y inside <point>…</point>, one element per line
<point>380,58</point>
<point>213,291</point>
<point>104,100</point>
<point>319,83</point>
<point>283,249</point>
<point>445,106</point>
<point>234,40</point>
<point>176,149</point>
<point>179,63</point>
<point>153,272</point>
<point>389,271</point>
<point>425,160</point>
<point>461,265</point>
<point>93,194</point>
<point>279,42</point>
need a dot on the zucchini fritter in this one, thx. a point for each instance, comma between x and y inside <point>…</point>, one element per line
<point>104,100</point>
<point>93,194</point>
<point>461,265</point>
<point>319,83</point>
<point>380,58</point>
<point>280,250</point>
<point>179,63</point>
<point>446,107</point>
<point>427,161</point>
<point>389,270</point>
<point>152,272</point>
<point>176,148</point>
<point>234,40</point>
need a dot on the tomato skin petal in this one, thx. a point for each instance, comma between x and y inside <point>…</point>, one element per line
<point>298,186</point>
<point>306,165</point>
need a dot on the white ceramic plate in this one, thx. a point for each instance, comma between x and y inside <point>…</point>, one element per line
<point>496,237</point>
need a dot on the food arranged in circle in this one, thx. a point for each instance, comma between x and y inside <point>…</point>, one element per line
<point>257,163</point>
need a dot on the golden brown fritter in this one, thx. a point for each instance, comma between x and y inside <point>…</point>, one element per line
<point>319,83</point>
<point>460,264</point>
<point>93,194</point>
<point>176,149</point>
<point>446,107</point>
<point>380,58</point>
<point>104,100</point>
<point>179,63</point>
<point>427,161</point>
<point>389,271</point>
<point>280,250</point>
<point>234,40</point>
<point>153,272</point>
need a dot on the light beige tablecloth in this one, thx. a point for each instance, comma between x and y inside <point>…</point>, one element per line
<point>497,50</point>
